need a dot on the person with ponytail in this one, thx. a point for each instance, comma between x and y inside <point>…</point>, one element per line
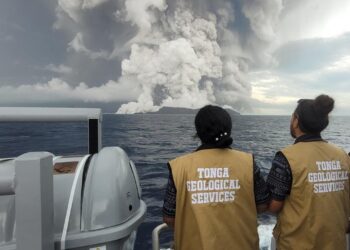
<point>214,194</point>
<point>309,183</point>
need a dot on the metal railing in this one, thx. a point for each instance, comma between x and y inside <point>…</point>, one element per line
<point>155,236</point>
<point>92,116</point>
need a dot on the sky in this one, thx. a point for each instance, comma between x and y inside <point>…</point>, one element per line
<point>131,56</point>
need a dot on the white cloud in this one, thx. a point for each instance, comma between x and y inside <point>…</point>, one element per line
<point>341,65</point>
<point>271,88</point>
<point>314,19</point>
<point>189,53</point>
<point>263,16</point>
<point>180,56</point>
<point>61,69</point>
<point>73,8</point>
<point>176,69</point>
<point>189,59</point>
<point>276,92</point>
<point>172,70</point>
<point>57,90</point>
<point>140,12</point>
<point>77,45</point>
<point>90,4</point>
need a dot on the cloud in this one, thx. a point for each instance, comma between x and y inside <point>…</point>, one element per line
<point>57,90</point>
<point>141,14</point>
<point>179,58</point>
<point>176,53</point>
<point>313,19</point>
<point>173,69</point>
<point>77,45</point>
<point>341,65</point>
<point>96,39</point>
<point>311,54</point>
<point>73,8</point>
<point>263,16</point>
<point>183,54</point>
<point>90,4</point>
<point>60,69</point>
<point>276,92</point>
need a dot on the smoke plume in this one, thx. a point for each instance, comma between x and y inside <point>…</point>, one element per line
<point>176,53</point>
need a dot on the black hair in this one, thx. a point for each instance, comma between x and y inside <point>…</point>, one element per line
<point>213,125</point>
<point>312,114</point>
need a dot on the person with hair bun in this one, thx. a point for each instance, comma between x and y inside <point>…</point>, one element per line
<point>214,194</point>
<point>309,183</point>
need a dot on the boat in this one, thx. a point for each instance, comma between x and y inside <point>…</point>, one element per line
<point>86,202</point>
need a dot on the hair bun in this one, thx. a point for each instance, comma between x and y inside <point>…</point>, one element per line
<point>323,104</point>
<point>225,142</point>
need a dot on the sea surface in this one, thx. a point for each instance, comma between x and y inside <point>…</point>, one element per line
<point>152,140</point>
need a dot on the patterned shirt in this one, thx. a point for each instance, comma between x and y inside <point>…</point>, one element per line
<point>261,192</point>
<point>279,180</point>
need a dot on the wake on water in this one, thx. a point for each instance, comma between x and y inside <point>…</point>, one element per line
<point>265,236</point>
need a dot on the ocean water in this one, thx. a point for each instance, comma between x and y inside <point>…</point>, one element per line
<point>152,140</point>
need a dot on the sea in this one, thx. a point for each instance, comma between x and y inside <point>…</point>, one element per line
<point>151,140</point>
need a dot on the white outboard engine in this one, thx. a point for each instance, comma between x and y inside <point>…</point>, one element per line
<point>82,203</point>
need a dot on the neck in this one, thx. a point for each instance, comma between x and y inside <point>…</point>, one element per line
<point>298,133</point>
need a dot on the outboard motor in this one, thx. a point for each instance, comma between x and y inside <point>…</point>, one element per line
<point>82,203</point>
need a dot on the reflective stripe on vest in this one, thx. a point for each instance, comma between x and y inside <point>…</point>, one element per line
<point>315,213</point>
<point>215,205</point>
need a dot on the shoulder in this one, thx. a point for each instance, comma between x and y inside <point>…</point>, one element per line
<point>289,148</point>
<point>242,154</point>
<point>298,149</point>
<point>336,147</point>
<point>344,155</point>
<point>181,158</point>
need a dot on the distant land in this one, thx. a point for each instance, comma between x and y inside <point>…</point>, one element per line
<point>110,107</point>
<point>172,110</point>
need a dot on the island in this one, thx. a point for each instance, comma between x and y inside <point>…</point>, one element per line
<point>174,110</point>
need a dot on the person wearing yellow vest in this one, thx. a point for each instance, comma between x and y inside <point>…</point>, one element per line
<point>309,184</point>
<point>214,194</point>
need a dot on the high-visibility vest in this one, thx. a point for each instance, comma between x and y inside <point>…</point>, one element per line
<point>215,204</point>
<point>315,214</point>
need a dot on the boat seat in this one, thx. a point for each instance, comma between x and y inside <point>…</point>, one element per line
<point>65,167</point>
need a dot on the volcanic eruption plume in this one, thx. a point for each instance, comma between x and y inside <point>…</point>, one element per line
<point>177,53</point>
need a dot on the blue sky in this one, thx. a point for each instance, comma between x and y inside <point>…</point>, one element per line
<point>256,57</point>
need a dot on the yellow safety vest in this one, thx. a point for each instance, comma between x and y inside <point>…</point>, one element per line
<point>215,205</point>
<point>315,214</point>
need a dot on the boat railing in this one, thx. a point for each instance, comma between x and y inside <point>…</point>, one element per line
<point>155,235</point>
<point>28,114</point>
